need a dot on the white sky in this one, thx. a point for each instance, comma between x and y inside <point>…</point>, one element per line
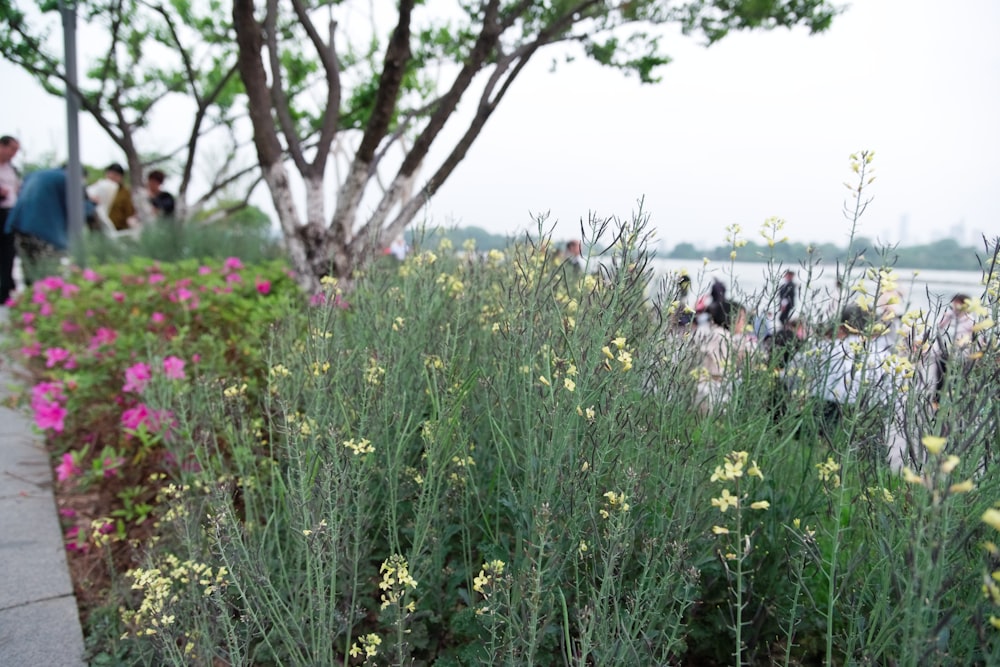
<point>758,125</point>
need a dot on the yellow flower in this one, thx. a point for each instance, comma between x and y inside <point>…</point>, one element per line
<point>962,487</point>
<point>719,530</point>
<point>544,380</point>
<point>754,471</point>
<point>949,464</point>
<point>569,384</point>
<point>995,622</point>
<point>607,352</point>
<point>625,358</point>
<point>933,443</point>
<point>619,342</point>
<point>911,477</point>
<point>760,505</point>
<point>992,518</point>
<point>725,501</point>
<point>480,582</point>
<point>980,326</point>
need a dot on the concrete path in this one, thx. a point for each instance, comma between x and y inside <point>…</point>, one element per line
<point>39,625</point>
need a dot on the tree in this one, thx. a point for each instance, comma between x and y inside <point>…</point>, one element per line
<point>380,94</point>
<point>153,50</point>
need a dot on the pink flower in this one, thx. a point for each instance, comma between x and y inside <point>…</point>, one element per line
<point>68,468</point>
<point>54,355</point>
<point>204,270</point>
<point>157,318</point>
<point>182,294</point>
<point>118,296</point>
<point>263,286</point>
<point>45,309</point>
<point>67,512</point>
<point>49,283</point>
<point>70,327</point>
<point>90,275</point>
<point>45,391</point>
<point>104,336</point>
<point>27,317</point>
<point>137,377</point>
<point>234,278</point>
<point>173,368</point>
<point>133,418</point>
<point>39,296</point>
<point>76,540</point>
<point>31,351</point>
<point>195,358</point>
<point>233,264</point>
<point>153,420</point>
<point>50,415</point>
<point>156,278</point>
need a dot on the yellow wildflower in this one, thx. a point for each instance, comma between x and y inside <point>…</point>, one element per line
<point>933,443</point>
<point>725,501</point>
<point>962,487</point>
<point>992,518</point>
<point>950,464</point>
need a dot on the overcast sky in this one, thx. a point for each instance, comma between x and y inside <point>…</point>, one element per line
<point>758,125</point>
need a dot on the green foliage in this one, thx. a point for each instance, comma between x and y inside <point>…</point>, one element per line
<point>246,233</point>
<point>503,460</point>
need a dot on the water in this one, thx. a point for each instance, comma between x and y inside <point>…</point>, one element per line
<point>750,282</point>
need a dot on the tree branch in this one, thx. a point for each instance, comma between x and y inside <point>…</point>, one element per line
<point>279,100</point>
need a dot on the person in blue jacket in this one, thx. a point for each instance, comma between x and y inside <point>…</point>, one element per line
<point>38,222</point>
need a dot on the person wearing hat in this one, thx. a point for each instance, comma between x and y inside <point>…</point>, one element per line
<point>112,199</point>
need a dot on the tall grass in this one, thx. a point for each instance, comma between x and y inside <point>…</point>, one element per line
<point>500,462</point>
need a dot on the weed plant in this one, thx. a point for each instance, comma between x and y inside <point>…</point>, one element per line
<point>499,459</point>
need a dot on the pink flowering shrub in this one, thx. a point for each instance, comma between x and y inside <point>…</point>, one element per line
<point>111,350</point>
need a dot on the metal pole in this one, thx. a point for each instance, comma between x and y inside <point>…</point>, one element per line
<point>74,169</point>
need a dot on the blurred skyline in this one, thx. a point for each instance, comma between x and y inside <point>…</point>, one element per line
<point>759,125</point>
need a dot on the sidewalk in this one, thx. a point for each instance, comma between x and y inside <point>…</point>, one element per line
<point>39,625</point>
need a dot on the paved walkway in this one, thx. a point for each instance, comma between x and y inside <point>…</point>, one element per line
<point>39,625</point>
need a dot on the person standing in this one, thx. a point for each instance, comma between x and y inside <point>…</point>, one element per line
<point>160,200</point>
<point>786,297</point>
<point>10,184</point>
<point>113,200</point>
<point>574,256</point>
<point>38,222</point>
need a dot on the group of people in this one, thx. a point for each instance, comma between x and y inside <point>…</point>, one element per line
<point>849,353</point>
<point>34,213</point>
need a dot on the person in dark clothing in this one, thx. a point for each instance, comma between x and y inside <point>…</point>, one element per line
<point>786,297</point>
<point>39,223</point>
<point>162,201</point>
<point>10,183</point>
<point>720,309</point>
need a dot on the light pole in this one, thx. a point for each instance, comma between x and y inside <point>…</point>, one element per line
<point>74,169</point>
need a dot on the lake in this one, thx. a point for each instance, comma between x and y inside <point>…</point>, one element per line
<point>749,282</point>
